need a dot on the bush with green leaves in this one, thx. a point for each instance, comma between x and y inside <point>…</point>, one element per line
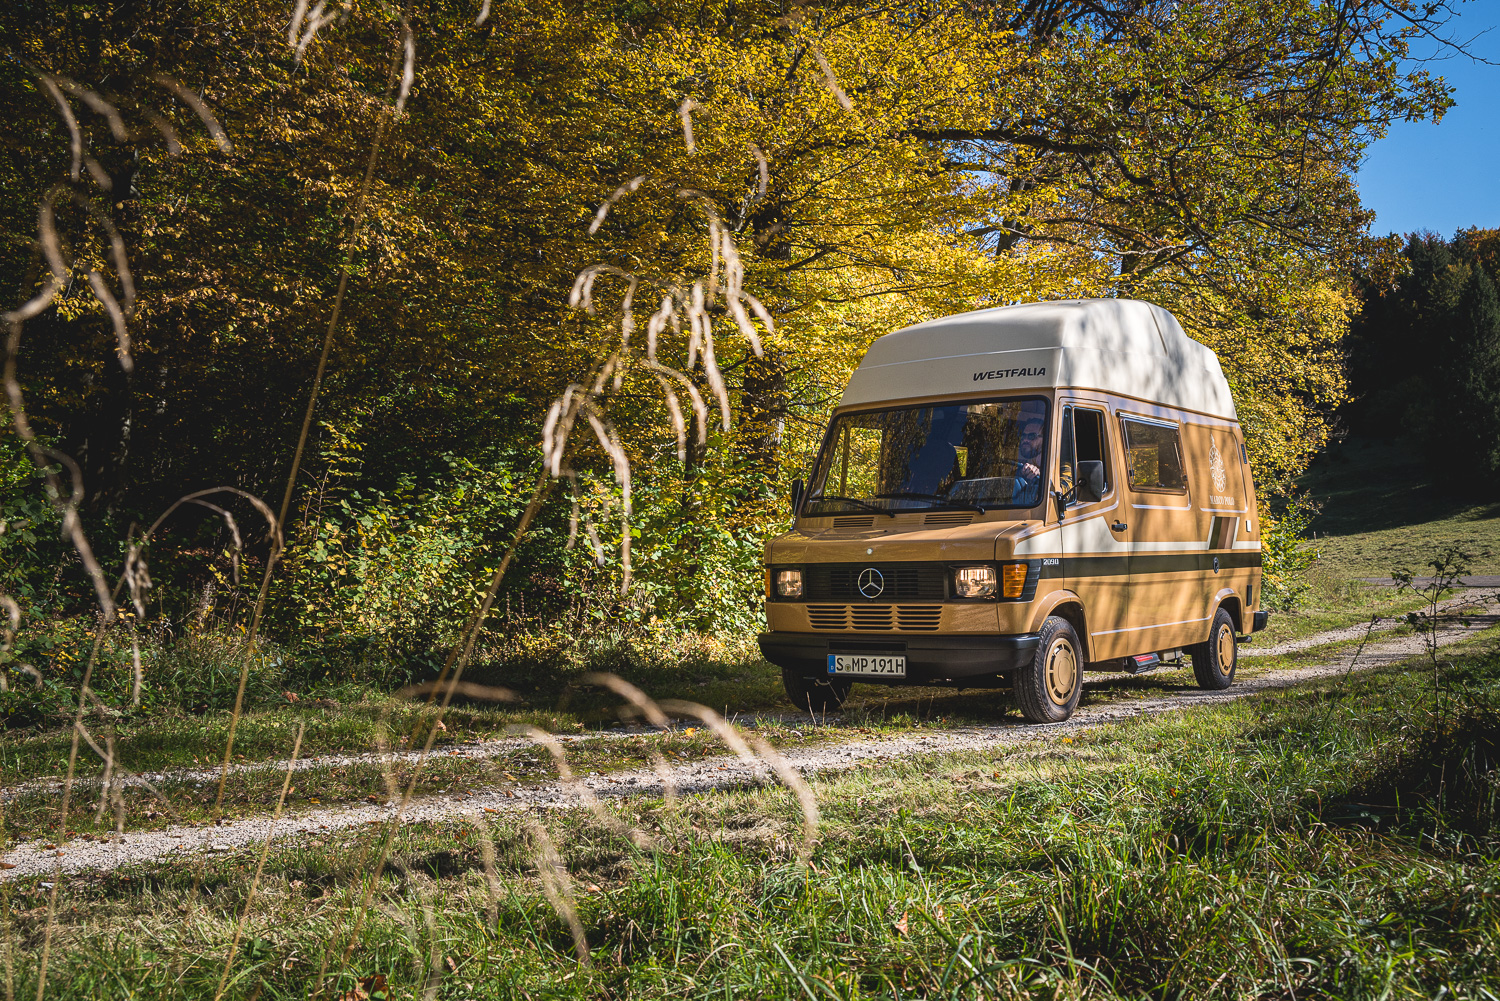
<point>1286,555</point>
<point>378,578</point>
<point>29,528</point>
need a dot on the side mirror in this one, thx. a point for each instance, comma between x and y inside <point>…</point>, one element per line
<point>797,491</point>
<point>1090,484</point>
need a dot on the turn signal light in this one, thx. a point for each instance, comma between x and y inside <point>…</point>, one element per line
<point>1012,580</point>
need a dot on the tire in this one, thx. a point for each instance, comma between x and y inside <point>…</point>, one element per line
<point>814,695</point>
<point>1214,661</point>
<point>1048,689</point>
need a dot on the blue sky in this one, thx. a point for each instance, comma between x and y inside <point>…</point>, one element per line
<point>1446,176</point>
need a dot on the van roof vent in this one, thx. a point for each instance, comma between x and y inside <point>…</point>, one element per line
<point>948,518</point>
<point>855,521</point>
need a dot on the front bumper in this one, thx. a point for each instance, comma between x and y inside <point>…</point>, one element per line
<point>930,660</point>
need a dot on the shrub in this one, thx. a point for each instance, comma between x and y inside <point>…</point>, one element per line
<point>1285,555</point>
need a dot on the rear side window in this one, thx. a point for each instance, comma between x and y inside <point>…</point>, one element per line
<point>1153,453</point>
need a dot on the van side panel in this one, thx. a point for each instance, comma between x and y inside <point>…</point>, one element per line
<point>1225,505</point>
<point>1189,545</point>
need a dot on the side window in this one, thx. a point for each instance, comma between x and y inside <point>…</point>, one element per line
<point>1067,453</point>
<point>1082,441</point>
<point>1153,453</point>
<point>1089,432</point>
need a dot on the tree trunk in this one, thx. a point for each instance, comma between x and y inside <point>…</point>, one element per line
<point>764,410</point>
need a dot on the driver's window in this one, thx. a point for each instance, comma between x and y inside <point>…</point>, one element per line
<point>1082,441</point>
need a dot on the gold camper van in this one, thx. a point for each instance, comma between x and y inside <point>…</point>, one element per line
<point>1016,496</point>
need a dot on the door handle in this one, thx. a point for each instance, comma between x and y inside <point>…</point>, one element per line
<point>1119,526</point>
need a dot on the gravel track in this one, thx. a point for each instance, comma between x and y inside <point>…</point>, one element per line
<point>242,836</point>
<point>484,749</point>
<point>1357,630</point>
<point>478,750</point>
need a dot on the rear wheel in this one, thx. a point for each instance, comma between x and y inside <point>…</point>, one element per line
<point>814,694</point>
<point>1048,689</point>
<point>1214,662</point>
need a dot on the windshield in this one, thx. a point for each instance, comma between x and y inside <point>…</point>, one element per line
<point>969,455</point>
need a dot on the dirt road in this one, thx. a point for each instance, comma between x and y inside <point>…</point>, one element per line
<point>33,858</point>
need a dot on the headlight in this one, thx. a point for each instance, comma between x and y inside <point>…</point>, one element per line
<point>789,583</point>
<point>974,582</point>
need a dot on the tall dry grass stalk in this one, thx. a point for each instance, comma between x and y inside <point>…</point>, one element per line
<point>119,309</point>
<point>684,308</point>
<point>581,790</point>
<point>754,750</point>
<point>351,240</point>
<point>557,886</point>
<point>260,865</point>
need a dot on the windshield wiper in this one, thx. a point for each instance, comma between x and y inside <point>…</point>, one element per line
<point>850,500</point>
<point>938,498</point>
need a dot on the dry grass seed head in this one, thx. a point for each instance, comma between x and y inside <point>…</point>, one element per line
<point>408,65</point>
<point>192,100</point>
<point>762,753</point>
<point>581,789</point>
<point>557,886</point>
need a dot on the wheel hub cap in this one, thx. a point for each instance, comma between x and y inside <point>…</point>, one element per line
<point>1226,649</point>
<point>1062,672</point>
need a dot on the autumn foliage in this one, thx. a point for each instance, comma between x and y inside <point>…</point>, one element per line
<point>876,165</point>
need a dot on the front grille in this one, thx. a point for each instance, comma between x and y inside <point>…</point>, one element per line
<point>875,618</point>
<point>921,618</point>
<point>840,581</point>
<point>828,616</point>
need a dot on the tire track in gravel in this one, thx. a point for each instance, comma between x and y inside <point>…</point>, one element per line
<point>485,749</point>
<point>173,844</point>
<point>1454,605</point>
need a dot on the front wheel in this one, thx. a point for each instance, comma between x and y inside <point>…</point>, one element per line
<point>814,695</point>
<point>1214,662</point>
<point>1048,689</point>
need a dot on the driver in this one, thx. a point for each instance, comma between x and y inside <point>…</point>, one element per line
<point>1029,456</point>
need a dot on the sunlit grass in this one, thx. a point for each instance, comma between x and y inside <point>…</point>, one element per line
<point>1337,839</point>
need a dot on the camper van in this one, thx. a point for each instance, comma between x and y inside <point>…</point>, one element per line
<point>1012,497</point>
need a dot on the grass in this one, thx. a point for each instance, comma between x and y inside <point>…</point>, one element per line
<point>1380,510</point>
<point>189,797</point>
<point>1327,608</point>
<point>1336,840</point>
<point>180,753</point>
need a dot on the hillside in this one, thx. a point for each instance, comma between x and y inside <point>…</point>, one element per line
<point>1380,510</point>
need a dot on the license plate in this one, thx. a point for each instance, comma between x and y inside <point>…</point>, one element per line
<point>884,665</point>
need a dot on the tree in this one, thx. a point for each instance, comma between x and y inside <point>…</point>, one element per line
<point>1465,402</point>
<point>1425,356</point>
<point>875,165</point>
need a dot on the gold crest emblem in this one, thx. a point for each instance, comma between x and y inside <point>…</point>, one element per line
<point>1216,465</point>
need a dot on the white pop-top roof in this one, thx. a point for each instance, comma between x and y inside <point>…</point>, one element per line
<point>1118,345</point>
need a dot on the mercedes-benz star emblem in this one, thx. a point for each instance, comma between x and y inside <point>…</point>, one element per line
<point>871,582</point>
